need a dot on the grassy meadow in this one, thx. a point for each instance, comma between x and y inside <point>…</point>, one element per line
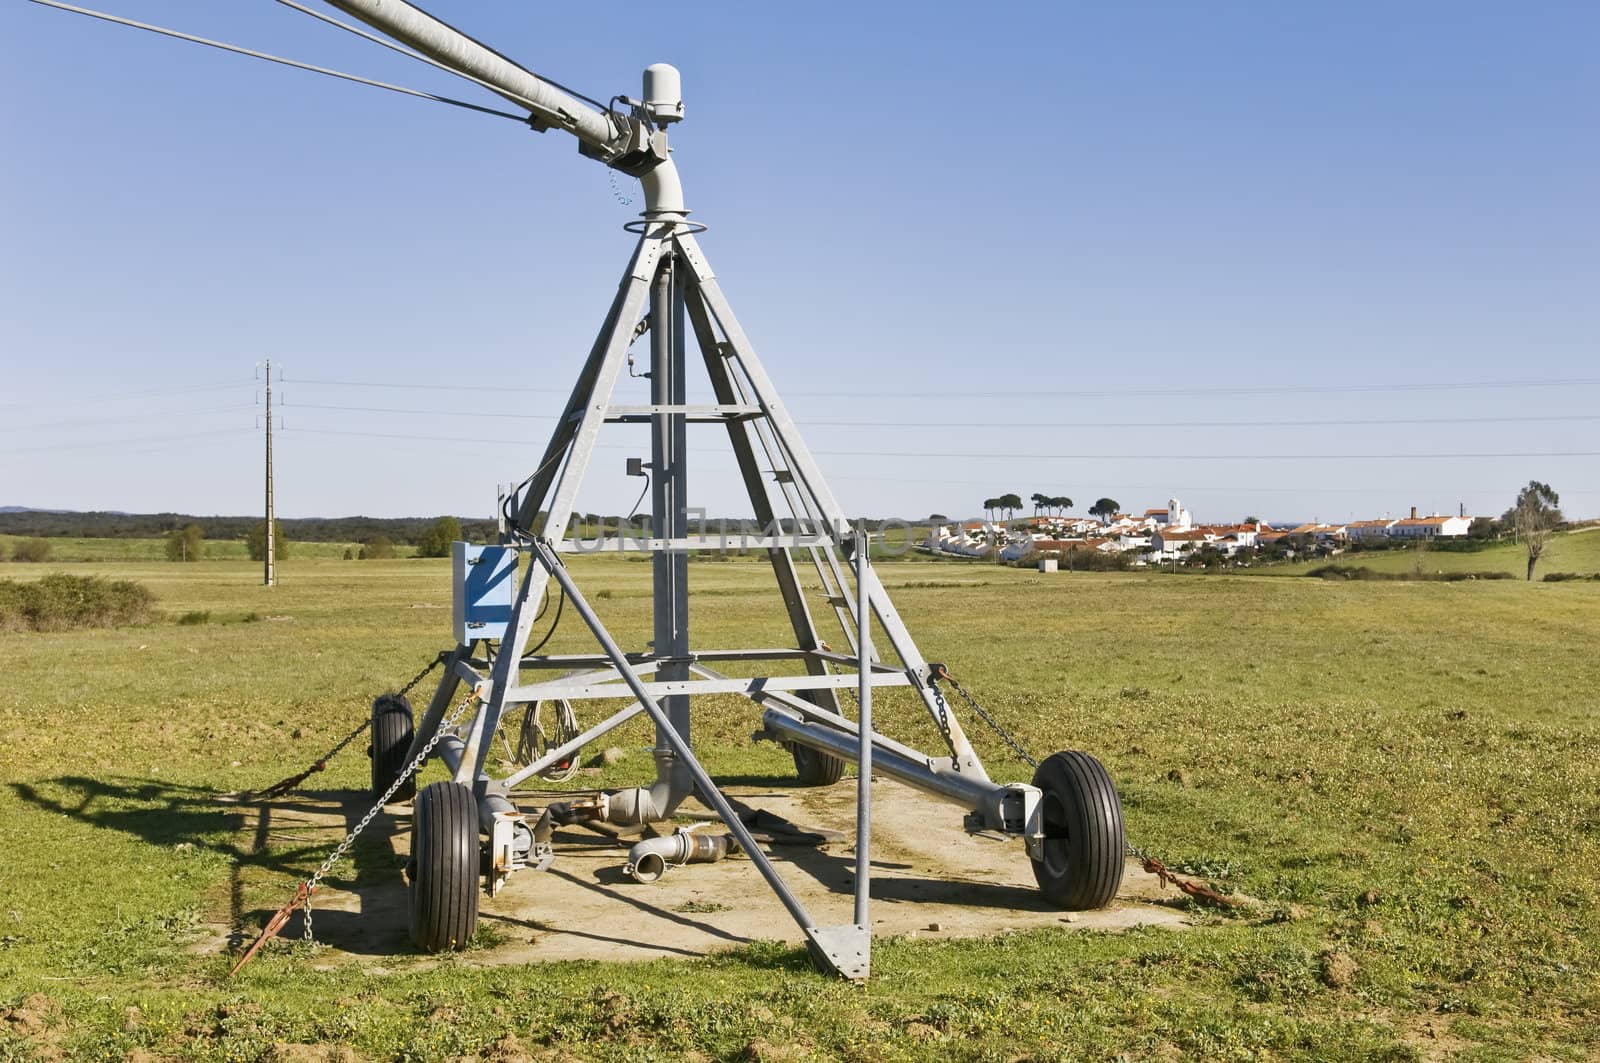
<point>1572,552</point>
<point>1406,775</point>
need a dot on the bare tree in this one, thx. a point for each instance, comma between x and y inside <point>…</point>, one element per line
<point>1536,514</point>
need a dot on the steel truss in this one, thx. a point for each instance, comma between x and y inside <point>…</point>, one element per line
<point>669,285</point>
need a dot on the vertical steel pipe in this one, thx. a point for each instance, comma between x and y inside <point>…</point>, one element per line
<point>864,758</point>
<point>670,512</point>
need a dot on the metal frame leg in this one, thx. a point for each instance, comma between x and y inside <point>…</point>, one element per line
<point>823,948</point>
<point>588,405</point>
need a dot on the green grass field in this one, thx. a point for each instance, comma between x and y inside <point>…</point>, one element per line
<point>1567,552</point>
<point>1406,774</point>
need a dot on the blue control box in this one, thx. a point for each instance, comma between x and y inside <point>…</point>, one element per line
<point>485,579</point>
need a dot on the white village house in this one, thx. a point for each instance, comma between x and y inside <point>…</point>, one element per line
<point>1170,534</point>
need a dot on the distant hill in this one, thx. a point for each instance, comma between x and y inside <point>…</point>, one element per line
<point>30,509</point>
<point>112,524</point>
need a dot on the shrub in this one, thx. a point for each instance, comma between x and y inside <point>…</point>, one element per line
<point>1565,577</point>
<point>435,542</point>
<point>193,617</point>
<point>186,543</point>
<point>34,550</point>
<point>60,602</point>
<point>1361,572</point>
<point>256,541</point>
<point>377,548</point>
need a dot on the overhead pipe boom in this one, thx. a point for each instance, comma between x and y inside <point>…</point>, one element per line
<point>623,143</point>
<point>415,28</point>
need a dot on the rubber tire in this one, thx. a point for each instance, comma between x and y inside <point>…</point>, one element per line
<point>814,767</point>
<point>445,867</point>
<point>1084,844</point>
<point>391,741</point>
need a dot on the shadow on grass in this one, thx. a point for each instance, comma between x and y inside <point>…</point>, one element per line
<point>270,845</point>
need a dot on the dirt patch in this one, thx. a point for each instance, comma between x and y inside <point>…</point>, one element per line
<point>930,879</point>
<point>1430,1038</point>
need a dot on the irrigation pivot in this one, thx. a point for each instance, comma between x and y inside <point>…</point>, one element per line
<point>468,832</point>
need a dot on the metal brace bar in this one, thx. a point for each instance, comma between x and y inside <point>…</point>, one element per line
<point>707,788</point>
<point>688,544</point>
<point>664,688</point>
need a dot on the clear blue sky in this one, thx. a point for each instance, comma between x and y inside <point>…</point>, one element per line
<point>972,214</point>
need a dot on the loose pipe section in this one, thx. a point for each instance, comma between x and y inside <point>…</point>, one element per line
<point>649,859</point>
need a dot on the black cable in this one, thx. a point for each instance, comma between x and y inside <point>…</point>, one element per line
<point>418,56</point>
<point>636,502</point>
<point>560,603</point>
<point>163,31</point>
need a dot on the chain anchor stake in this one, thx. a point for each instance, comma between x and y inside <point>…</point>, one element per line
<point>1198,891</point>
<point>303,892</point>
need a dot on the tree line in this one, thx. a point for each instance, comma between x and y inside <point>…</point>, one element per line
<point>1045,505</point>
<point>108,525</point>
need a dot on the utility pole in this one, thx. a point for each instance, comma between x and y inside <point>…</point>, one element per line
<point>271,577</point>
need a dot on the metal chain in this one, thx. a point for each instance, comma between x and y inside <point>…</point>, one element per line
<point>943,720</point>
<point>443,656</point>
<point>994,725</point>
<point>311,884</point>
<point>278,789</point>
<point>1200,892</point>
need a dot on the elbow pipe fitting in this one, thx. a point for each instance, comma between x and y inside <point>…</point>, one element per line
<point>663,193</point>
<point>653,803</point>
<point>649,859</point>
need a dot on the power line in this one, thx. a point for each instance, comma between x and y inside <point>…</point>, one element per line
<point>900,393</point>
<point>76,401</point>
<point>1405,492</point>
<point>1287,389</point>
<point>472,414</point>
<point>1328,456</point>
<point>1007,425</point>
<point>420,387</point>
<point>163,31</point>
<point>45,426</point>
<point>945,455</point>
<point>121,443</point>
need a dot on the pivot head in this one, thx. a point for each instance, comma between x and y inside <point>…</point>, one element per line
<point>663,93</point>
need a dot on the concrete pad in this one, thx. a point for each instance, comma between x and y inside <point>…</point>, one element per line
<point>930,879</point>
